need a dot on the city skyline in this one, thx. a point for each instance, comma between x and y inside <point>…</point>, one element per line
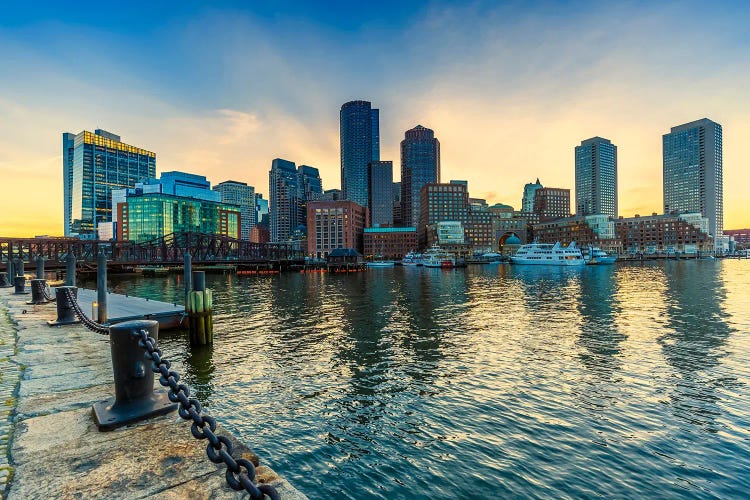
<point>502,120</point>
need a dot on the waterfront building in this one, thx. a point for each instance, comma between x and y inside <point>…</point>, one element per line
<point>309,188</point>
<point>261,210</point>
<point>290,188</point>
<point>331,195</point>
<point>529,194</point>
<point>260,234</point>
<point>420,165</point>
<point>380,193</point>
<point>741,237</point>
<point>552,203</point>
<point>693,172</point>
<point>663,234</point>
<point>450,203</point>
<point>334,224</point>
<point>93,165</point>
<point>507,227</point>
<point>243,196</point>
<point>586,230</point>
<point>389,243</point>
<point>360,144</point>
<point>501,211</point>
<point>596,177</point>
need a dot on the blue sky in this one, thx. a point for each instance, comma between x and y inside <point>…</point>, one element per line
<point>509,87</point>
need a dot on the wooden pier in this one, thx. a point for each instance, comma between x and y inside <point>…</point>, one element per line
<point>124,308</point>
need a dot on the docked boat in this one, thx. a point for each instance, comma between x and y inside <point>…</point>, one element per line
<point>598,256</point>
<point>412,259</point>
<point>380,263</point>
<point>548,255</point>
<point>437,257</point>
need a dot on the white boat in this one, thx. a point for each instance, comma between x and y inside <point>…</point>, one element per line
<point>598,256</point>
<point>546,254</point>
<point>380,263</point>
<point>412,259</point>
<point>492,257</point>
<point>437,257</point>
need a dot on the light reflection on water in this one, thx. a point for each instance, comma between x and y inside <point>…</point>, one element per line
<point>627,380</point>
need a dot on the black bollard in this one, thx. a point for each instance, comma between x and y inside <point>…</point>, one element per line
<point>135,398</point>
<point>20,283</point>
<point>101,288</point>
<point>40,267</point>
<point>38,287</point>
<point>9,274</point>
<point>70,270</point>
<point>19,268</point>
<point>65,312</point>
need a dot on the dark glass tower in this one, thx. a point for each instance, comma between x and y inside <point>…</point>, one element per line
<point>420,165</point>
<point>380,187</point>
<point>596,177</point>
<point>360,144</point>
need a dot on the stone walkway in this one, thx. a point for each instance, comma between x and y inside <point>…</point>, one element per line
<point>56,451</point>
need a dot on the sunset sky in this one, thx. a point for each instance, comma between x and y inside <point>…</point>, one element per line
<point>510,88</point>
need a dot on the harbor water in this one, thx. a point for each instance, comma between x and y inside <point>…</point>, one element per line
<point>630,380</point>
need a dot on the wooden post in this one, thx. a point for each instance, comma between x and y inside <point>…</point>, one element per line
<point>199,307</point>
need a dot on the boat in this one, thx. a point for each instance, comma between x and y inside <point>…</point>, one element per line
<point>548,255</point>
<point>598,256</point>
<point>437,257</point>
<point>412,259</point>
<point>380,263</point>
<point>492,258</point>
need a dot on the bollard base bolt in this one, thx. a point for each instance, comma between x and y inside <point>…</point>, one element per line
<point>110,415</point>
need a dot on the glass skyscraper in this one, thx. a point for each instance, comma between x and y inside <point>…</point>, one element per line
<point>360,144</point>
<point>693,172</point>
<point>529,193</point>
<point>289,190</point>
<point>596,177</point>
<point>242,196</point>
<point>380,191</point>
<point>420,165</point>
<point>93,165</point>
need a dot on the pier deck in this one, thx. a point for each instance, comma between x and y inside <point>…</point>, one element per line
<point>56,450</point>
<point>124,308</point>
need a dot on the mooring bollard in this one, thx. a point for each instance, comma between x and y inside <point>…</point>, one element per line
<point>135,398</point>
<point>70,270</point>
<point>199,305</point>
<point>9,274</point>
<point>19,268</point>
<point>38,287</point>
<point>39,268</point>
<point>101,288</point>
<point>20,283</point>
<point>65,313</point>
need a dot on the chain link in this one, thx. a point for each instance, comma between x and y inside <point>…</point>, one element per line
<point>85,321</point>
<point>240,474</point>
<point>48,292</point>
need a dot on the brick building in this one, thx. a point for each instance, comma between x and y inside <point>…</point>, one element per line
<point>390,243</point>
<point>334,224</point>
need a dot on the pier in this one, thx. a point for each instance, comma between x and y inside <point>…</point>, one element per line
<point>50,446</point>
<point>124,308</point>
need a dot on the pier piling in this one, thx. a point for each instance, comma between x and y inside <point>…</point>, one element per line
<point>70,269</point>
<point>65,312</point>
<point>101,288</point>
<point>199,306</point>
<point>20,283</point>
<point>39,267</point>
<point>38,287</point>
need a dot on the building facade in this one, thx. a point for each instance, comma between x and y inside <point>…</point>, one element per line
<point>450,203</point>
<point>93,165</point>
<point>290,188</point>
<point>693,172</point>
<point>260,234</point>
<point>596,177</point>
<point>390,243</point>
<point>380,193</point>
<point>334,224</point>
<point>586,231</point>
<point>242,196</point>
<point>662,235</point>
<point>360,144</point>
<point>420,165</point>
<point>552,203</point>
<point>529,195</point>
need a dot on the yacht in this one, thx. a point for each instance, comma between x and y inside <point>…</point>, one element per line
<point>412,259</point>
<point>548,255</point>
<point>437,257</point>
<point>598,256</point>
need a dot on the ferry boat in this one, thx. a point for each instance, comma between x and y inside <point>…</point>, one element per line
<point>549,255</point>
<point>437,257</point>
<point>412,259</point>
<point>598,256</point>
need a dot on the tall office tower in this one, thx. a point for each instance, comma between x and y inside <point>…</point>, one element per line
<point>309,188</point>
<point>596,177</point>
<point>360,144</point>
<point>420,165</point>
<point>397,204</point>
<point>243,196</point>
<point>529,192</point>
<point>282,189</point>
<point>552,203</point>
<point>380,189</point>
<point>261,210</point>
<point>93,165</point>
<point>693,175</point>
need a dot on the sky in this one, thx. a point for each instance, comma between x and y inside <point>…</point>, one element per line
<point>510,89</point>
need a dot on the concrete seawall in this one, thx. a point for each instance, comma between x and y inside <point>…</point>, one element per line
<point>49,444</point>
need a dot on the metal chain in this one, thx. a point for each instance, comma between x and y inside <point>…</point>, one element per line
<point>85,321</point>
<point>240,472</point>
<point>48,292</point>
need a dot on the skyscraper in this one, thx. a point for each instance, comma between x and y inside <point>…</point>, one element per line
<point>243,196</point>
<point>596,177</point>
<point>93,165</point>
<point>360,144</point>
<point>693,172</point>
<point>420,165</point>
<point>309,188</point>
<point>380,189</point>
<point>282,193</point>
<point>529,193</point>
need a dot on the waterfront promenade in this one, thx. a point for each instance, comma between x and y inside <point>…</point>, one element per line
<point>49,444</point>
